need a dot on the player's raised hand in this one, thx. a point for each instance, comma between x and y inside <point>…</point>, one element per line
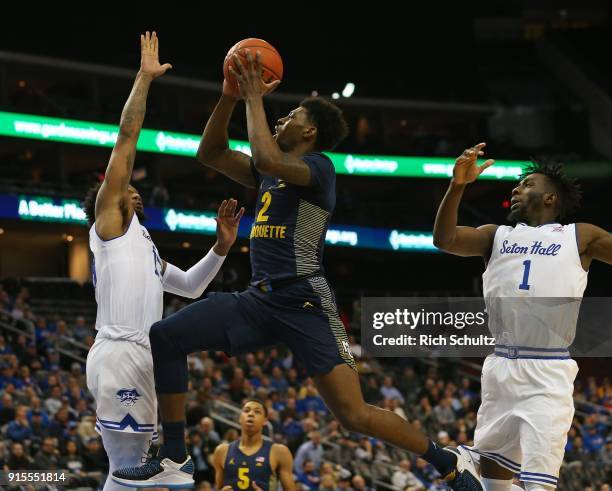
<point>466,168</point>
<point>227,225</point>
<point>149,56</point>
<point>250,77</point>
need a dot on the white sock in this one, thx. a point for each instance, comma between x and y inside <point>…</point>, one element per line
<point>497,484</point>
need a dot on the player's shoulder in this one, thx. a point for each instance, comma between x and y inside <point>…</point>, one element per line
<point>222,449</point>
<point>280,450</point>
<point>280,454</point>
<point>318,158</point>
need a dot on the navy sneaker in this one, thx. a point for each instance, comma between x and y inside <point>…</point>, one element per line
<point>464,477</point>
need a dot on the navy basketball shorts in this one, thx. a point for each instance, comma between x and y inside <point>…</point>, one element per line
<point>302,316</point>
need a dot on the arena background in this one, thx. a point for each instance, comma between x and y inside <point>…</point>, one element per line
<point>532,79</point>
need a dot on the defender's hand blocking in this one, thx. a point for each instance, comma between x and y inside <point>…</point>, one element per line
<point>250,81</point>
<point>466,169</point>
<point>227,224</point>
<point>149,56</point>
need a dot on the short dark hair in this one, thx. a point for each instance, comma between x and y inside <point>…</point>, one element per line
<point>327,117</point>
<point>258,401</point>
<point>89,203</point>
<point>567,188</point>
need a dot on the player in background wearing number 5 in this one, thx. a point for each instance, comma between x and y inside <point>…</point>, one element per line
<point>252,462</point>
<point>527,384</point>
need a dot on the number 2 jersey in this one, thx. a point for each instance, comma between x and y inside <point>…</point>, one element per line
<point>533,285</point>
<point>291,222</point>
<point>127,275</point>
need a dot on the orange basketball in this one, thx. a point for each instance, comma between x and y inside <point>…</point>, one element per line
<point>271,61</point>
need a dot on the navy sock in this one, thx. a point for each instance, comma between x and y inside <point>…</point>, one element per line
<point>174,441</point>
<point>443,461</point>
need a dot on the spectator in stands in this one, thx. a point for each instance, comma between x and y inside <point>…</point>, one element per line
<point>94,458</point>
<point>7,410</point>
<point>311,401</point>
<point>199,456</point>
<point>359,484</point>
<point>19,430</point>
<point>578,452</point>
<point>404,478</point>
<point>364,451</point>
<point>592,439</point>
<point>5,349</point>
<point>54,402</point>
<point>81,330</point>
<point>38,425</point>
<point>48,457</point>
<point>444,413</point>
<point>311,450</point>
<point>388,391</point>
<point>308,476</point>
<point>18,459</point>
<point>278,380</point>
<point>327,483</point>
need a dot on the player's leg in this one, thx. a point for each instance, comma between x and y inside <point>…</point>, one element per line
<point>316,335</point>
<point>216,323</point>
<point>547,416</point>
<point>123,450</point>
<point>494,476</point>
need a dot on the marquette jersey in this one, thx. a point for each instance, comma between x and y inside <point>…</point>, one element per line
<point>291,222</point>
<point>127,275</point>
<point>533,285</point>
<point>241,470</point>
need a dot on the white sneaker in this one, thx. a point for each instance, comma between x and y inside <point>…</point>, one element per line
<point>157,472</point>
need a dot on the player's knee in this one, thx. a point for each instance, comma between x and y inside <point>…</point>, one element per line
<point>158,336</point>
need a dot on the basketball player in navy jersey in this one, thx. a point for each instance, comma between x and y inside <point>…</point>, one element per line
<point>289,300</point>
<point>527,384</point>
<point>252,462</point>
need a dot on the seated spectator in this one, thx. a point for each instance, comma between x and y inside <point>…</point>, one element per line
<point>403,477</point>
<point>311,450</point>
<point>18,460</point>
<point>359,484</point>
<point>308,476</point>
<point>48,457</point>
<point>19,430</point>
<point>388,391</point>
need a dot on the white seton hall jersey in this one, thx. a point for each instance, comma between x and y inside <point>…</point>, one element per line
<point>127,275</point>
<point>533,285</point>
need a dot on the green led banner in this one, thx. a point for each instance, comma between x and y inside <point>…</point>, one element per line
<point>183,144</point>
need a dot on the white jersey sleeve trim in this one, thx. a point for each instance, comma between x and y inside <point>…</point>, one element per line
<point>192,283</point>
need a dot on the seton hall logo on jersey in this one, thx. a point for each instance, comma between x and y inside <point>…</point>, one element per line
<point>128,397</point>
<point>535,249</point>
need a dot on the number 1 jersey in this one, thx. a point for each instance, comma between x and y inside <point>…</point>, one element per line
<point>533,284</point>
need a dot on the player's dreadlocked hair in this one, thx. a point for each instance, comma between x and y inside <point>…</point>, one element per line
<point>568,190</point>
<point>89,203</point>
<point>330,123</point>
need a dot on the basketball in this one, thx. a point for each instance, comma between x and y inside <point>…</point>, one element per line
<point>271,61</point>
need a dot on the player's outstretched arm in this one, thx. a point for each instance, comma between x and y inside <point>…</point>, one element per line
<point>268,158</point>
<point>193,282</point>
<point>594,243</point>
<point>285,467</point>
<point>462,241</point>
<point>109,219</point>
<point>214,150</point>
<point>218,460</point>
